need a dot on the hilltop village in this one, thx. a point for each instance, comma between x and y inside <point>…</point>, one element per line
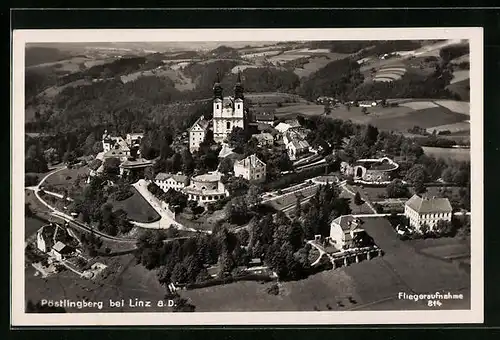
<point>246,194</point>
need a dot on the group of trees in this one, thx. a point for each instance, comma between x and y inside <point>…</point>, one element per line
<point>174,198</point>
<point>94,207</point>
<point>337,79</point>
<point>186,260</point>
<point>321,209</point>
<point>34,160</point>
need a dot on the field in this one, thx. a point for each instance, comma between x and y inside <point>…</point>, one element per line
<point>361,209</point>
<point>53,91</point>
<point>123,279</point>
<point>453,128</point>
<point>462,107</point>
<point>137,208</point>
<point>459,76</point>
<point>68,65</point>
<point>315,63</point>
<point>373,285</point>
<point>424,118</point>
<point>448,153</point>
<point>182,83</point>
<point>462,88</point>
<point>390,73</point>
<point>64,179</point>
<point>31,225</point>
<point>273,98</point>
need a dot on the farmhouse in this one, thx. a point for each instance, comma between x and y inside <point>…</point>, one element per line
<point>114,143</point>
<point>423,210</point>
<point>295,144</point>
<point>264,139</point>
<point>171,181</point>
<point>286,125</point>
<point>264,116</point>
<point>134,139</point>
<point>370,170</point>
<point>250,168</point>
<point>206,188</point>
<point>60,250</point>
<point>44,238</point>
<point>343,230</point>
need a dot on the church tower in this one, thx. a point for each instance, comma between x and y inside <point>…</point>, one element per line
<point>238,97</point>
<point>217,104</point>
<point>228,111</point>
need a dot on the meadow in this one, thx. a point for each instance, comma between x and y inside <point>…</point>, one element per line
<point>137,208</point>
<point>448,153</point>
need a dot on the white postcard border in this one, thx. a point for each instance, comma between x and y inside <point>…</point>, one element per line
<point>474,315</point>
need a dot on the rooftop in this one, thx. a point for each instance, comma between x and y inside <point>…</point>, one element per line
<point>250,161</point>
<point>209,177</point>
<point>429,205</point>
<point>60,247</point>
<point>136,163</point>
<point>347,222</point>
<point>163,176</point>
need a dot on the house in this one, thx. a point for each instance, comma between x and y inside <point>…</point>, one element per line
<point>171,181</point>
<point>197,133</point>
<point>264,139</point>
<point>61,250</point>
<point>250,168</point>
<point>134,139</point>
<point>423,210</point>
<point>295,145</point>
<point>367,104</point>
<point>343,230</point>
<point>287,124</point>
<point>265,116</point>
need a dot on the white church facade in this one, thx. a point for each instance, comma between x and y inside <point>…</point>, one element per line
<point>228,113</point>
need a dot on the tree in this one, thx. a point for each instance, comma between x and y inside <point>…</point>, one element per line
<point>424,229</point>
<point>253,197</point>
<point>226,165</point>
<point>238,138</point>
<point>188,163</point>
<point>358,200</point>
<point>112,166</point>
<point>417,175</point>
<point>179,274</point>
<point>397,189</point>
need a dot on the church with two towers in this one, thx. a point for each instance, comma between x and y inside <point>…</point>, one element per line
<point>228,113</point>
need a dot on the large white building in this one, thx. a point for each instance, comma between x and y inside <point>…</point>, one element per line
<point>228,113</point>
<point>343,230</point>
<point>206,188</point>
<point>422,210</point>
<point>171,181</point>
<point>197,133</point>
<point>250,168</point>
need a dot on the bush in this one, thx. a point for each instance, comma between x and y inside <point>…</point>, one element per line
<point>30,180</point>
<point>273,290</point>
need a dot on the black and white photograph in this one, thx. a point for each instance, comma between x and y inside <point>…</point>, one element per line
<point>252,176</point>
